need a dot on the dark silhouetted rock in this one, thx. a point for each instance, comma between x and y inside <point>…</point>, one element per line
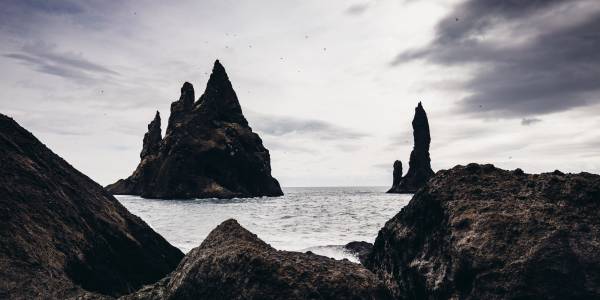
<point>233,263</point>
<point>152,138</point>
<point>208,151</point>
<point>478,232</point>
<point>360,249</point>
<point>397,176</point>
<point>61,233</point>
<point>419,165</point>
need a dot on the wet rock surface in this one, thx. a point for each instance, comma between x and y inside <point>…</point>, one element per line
<point>360,249</point>
<point>233,263</point>
<point>479,232</point>
<point>419,165</point>
<point>62,234</point>
<point>208,151</point>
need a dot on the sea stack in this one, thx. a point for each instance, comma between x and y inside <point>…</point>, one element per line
<point>63,236</point>
<point>419,165</point>
<point>209,150</point>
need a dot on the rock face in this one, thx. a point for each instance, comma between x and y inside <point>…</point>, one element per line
<point>208,150</point>
<point>232,263</point>
<point>478,232</point>
<point>419,165</point>
<point>61,233</point>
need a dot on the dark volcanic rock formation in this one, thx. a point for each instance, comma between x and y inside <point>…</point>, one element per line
<point>152,138</point>
<point>419,165</point>
<point>208,150</point>
<point>233,263</point>
<point>397,175</point>
<point>360,249</point>
<point>60,232</point>
<point>478,232</point>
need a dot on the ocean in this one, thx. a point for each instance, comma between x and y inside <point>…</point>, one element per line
<point>319,219</point>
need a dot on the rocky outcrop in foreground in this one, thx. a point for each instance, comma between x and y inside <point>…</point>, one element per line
<point>209,151</point>
<point>233,263</point>
<point>419,165</point>
<point>479,232</point>
<point>62,234</point>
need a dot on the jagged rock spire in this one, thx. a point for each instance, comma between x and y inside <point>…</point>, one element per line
<point>219,99</point>
<point>181,107</point>
<point>419,165</point>
<point>187,96</point>
<point>421,135</point>
<point>397,173</point>
<point>152,138</point>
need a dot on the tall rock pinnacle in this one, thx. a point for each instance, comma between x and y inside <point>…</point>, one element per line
<point>181,107</point>
<point>209,151</point>
<point>152,138</point>
<point>219,100</point>
<point>419,165</point>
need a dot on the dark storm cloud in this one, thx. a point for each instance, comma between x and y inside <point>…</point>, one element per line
<point>45,59</point>
<point>556,69</point>
<point>280,126</point>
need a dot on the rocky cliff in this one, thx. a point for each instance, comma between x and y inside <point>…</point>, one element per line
<point>479,232</point>
<point>208,150</point>
<point>233,263</point>
<point>419,165</point>
<point>61,233</point>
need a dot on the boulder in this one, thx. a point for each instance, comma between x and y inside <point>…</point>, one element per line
<point>479,232</point>
<point>419,165</point>
<point>209,150</point>
<point>360,249</point>
<point>62,235</point>
<point>233,263</point>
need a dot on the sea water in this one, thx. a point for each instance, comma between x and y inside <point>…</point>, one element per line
<point>317,219</point>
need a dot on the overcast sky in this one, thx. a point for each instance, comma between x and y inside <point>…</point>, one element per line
<point>330,86</point>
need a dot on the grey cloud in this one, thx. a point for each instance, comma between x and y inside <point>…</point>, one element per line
<point>530,121</point>
<point>281,126</point>
<point>59,126</point>
<point>357,9</point>
<point>26,17</point>
<point>45,59</point>
<point>50,7</point>
<point>282,147</point>
<point>348,147</point>
<point>555,70</point>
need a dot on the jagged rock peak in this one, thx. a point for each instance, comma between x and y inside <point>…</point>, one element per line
<point>397,173</point>
<point>219,99</point>
<point>420,126</point>
<point>419,165</point>
<point>152,138</point>
<point>187,95</point>
<point>181,108</point>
